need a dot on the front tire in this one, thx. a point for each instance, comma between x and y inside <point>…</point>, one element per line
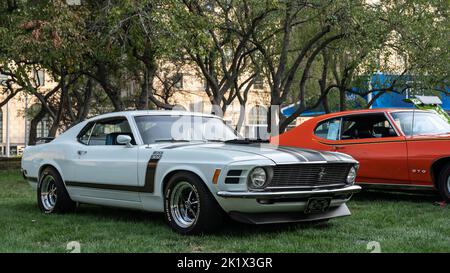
<point>52,195</point>
<point>444,183</point>
<point>189,206</point>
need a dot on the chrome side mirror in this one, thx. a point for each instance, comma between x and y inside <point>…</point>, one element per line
<point>124,139</point>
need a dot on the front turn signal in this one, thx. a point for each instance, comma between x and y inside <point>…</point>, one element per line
<point>216,176</point>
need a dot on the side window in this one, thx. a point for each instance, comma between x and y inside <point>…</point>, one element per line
<point>105,132</point>
<point>86,133</point>
<point>329,129</point>
<point>366,126</point>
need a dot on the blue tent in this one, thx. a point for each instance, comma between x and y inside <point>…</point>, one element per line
<point>386,100</point>
<point>394,100</point>
<point>289,110</point>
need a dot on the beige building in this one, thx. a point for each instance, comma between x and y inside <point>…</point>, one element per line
<point>189,94</point>
<point>13,121</point>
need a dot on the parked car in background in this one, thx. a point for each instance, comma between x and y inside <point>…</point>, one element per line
<point>430,103</point>
<point>396,148</point>
<point>192,167</point>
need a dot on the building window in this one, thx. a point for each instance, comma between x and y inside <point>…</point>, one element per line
<point>257,123</point>
<point>258,82</point>
<point>42,129</point>
<point>197,107</point>
<point>257,115</point>
<point>178,81</point>
<point>205,84</point>
<point>1,126</point>
<point>209,5</point>
<point>39,77</point>
<point>73,2</point>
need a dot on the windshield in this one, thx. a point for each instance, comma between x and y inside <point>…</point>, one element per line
<point>183,128</point>
<point>425,123</point>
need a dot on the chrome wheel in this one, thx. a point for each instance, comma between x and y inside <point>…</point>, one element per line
<point>184,204</point>
<point>48,193</point>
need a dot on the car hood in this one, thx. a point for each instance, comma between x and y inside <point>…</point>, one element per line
<point>278,154</point>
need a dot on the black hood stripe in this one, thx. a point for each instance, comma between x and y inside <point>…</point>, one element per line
<point>331,156</point>
<point>299,156</point>
<point>310,155</point>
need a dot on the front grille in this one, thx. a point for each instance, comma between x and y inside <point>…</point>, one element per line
<point>309,175</point>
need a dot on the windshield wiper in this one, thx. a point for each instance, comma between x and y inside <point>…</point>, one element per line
<point>215,140</point>
<point>245,141</point>
<point>171,140</point>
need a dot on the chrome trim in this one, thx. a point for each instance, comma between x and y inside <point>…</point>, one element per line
<point>395,186</point>
<point>341,117</point>
<point>307,187</point>
<point>231,194</point>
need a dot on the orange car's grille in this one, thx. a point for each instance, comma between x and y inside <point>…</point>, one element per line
<point>309,175</point>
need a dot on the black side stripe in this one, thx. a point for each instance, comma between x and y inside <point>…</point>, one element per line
<point>149,186</point>
<point>32,179</point>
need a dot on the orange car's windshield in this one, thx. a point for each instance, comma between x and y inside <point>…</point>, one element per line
<point>414,123</point>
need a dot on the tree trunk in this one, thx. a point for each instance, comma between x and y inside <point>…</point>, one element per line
<point>241,119</point>
<point>342,102</point>
<point>83,112</point>
<point>32,134</point>
<point>111,91</point>
<point>323,82</point>
<point>62,102</point>
<point>143,96</point>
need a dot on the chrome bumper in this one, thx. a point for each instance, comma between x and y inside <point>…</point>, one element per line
<point>289,194</point>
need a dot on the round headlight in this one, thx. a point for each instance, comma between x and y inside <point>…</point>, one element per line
<point>257,178</point>
<point>351,177</point>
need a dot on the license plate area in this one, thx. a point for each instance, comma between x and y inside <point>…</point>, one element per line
<point>317,205</point>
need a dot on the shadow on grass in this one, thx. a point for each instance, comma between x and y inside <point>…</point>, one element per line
<point>379,195</point>
<point>232,228</point>
<point>229,228</point>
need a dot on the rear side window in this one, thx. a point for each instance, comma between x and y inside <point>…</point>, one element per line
<point>329,129</point>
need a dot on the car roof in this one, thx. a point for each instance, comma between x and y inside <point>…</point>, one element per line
<point>368,111</point>
<point>133,113</point>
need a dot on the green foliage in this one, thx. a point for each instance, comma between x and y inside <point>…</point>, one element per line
<point>116,42</point>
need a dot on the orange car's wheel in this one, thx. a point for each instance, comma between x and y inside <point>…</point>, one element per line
<point>444,183</point>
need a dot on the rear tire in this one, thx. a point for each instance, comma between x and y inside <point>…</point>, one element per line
<point>52,196</point>
<point>189,206</point>
<point>444,183</point>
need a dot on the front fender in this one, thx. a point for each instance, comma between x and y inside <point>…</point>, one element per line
<point>204,173</point>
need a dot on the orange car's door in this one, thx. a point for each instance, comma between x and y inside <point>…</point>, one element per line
<point>372,140</point>
<point>382,160</point>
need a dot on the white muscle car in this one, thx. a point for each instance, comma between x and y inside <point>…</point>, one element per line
<point>192,167</point>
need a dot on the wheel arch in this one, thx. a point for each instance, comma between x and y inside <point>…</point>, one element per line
<point>171,173</point>
<point>50,165</point>
<point>436,168</point>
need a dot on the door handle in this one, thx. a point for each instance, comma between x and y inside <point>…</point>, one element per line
<point>338,148</point>
<point>80,152</point>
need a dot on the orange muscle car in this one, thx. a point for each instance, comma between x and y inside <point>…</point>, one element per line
<point>396,148</point>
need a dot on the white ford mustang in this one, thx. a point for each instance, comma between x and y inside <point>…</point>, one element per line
<point>192,167</point>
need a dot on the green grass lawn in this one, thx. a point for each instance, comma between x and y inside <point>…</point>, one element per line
<point>399,222</point>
